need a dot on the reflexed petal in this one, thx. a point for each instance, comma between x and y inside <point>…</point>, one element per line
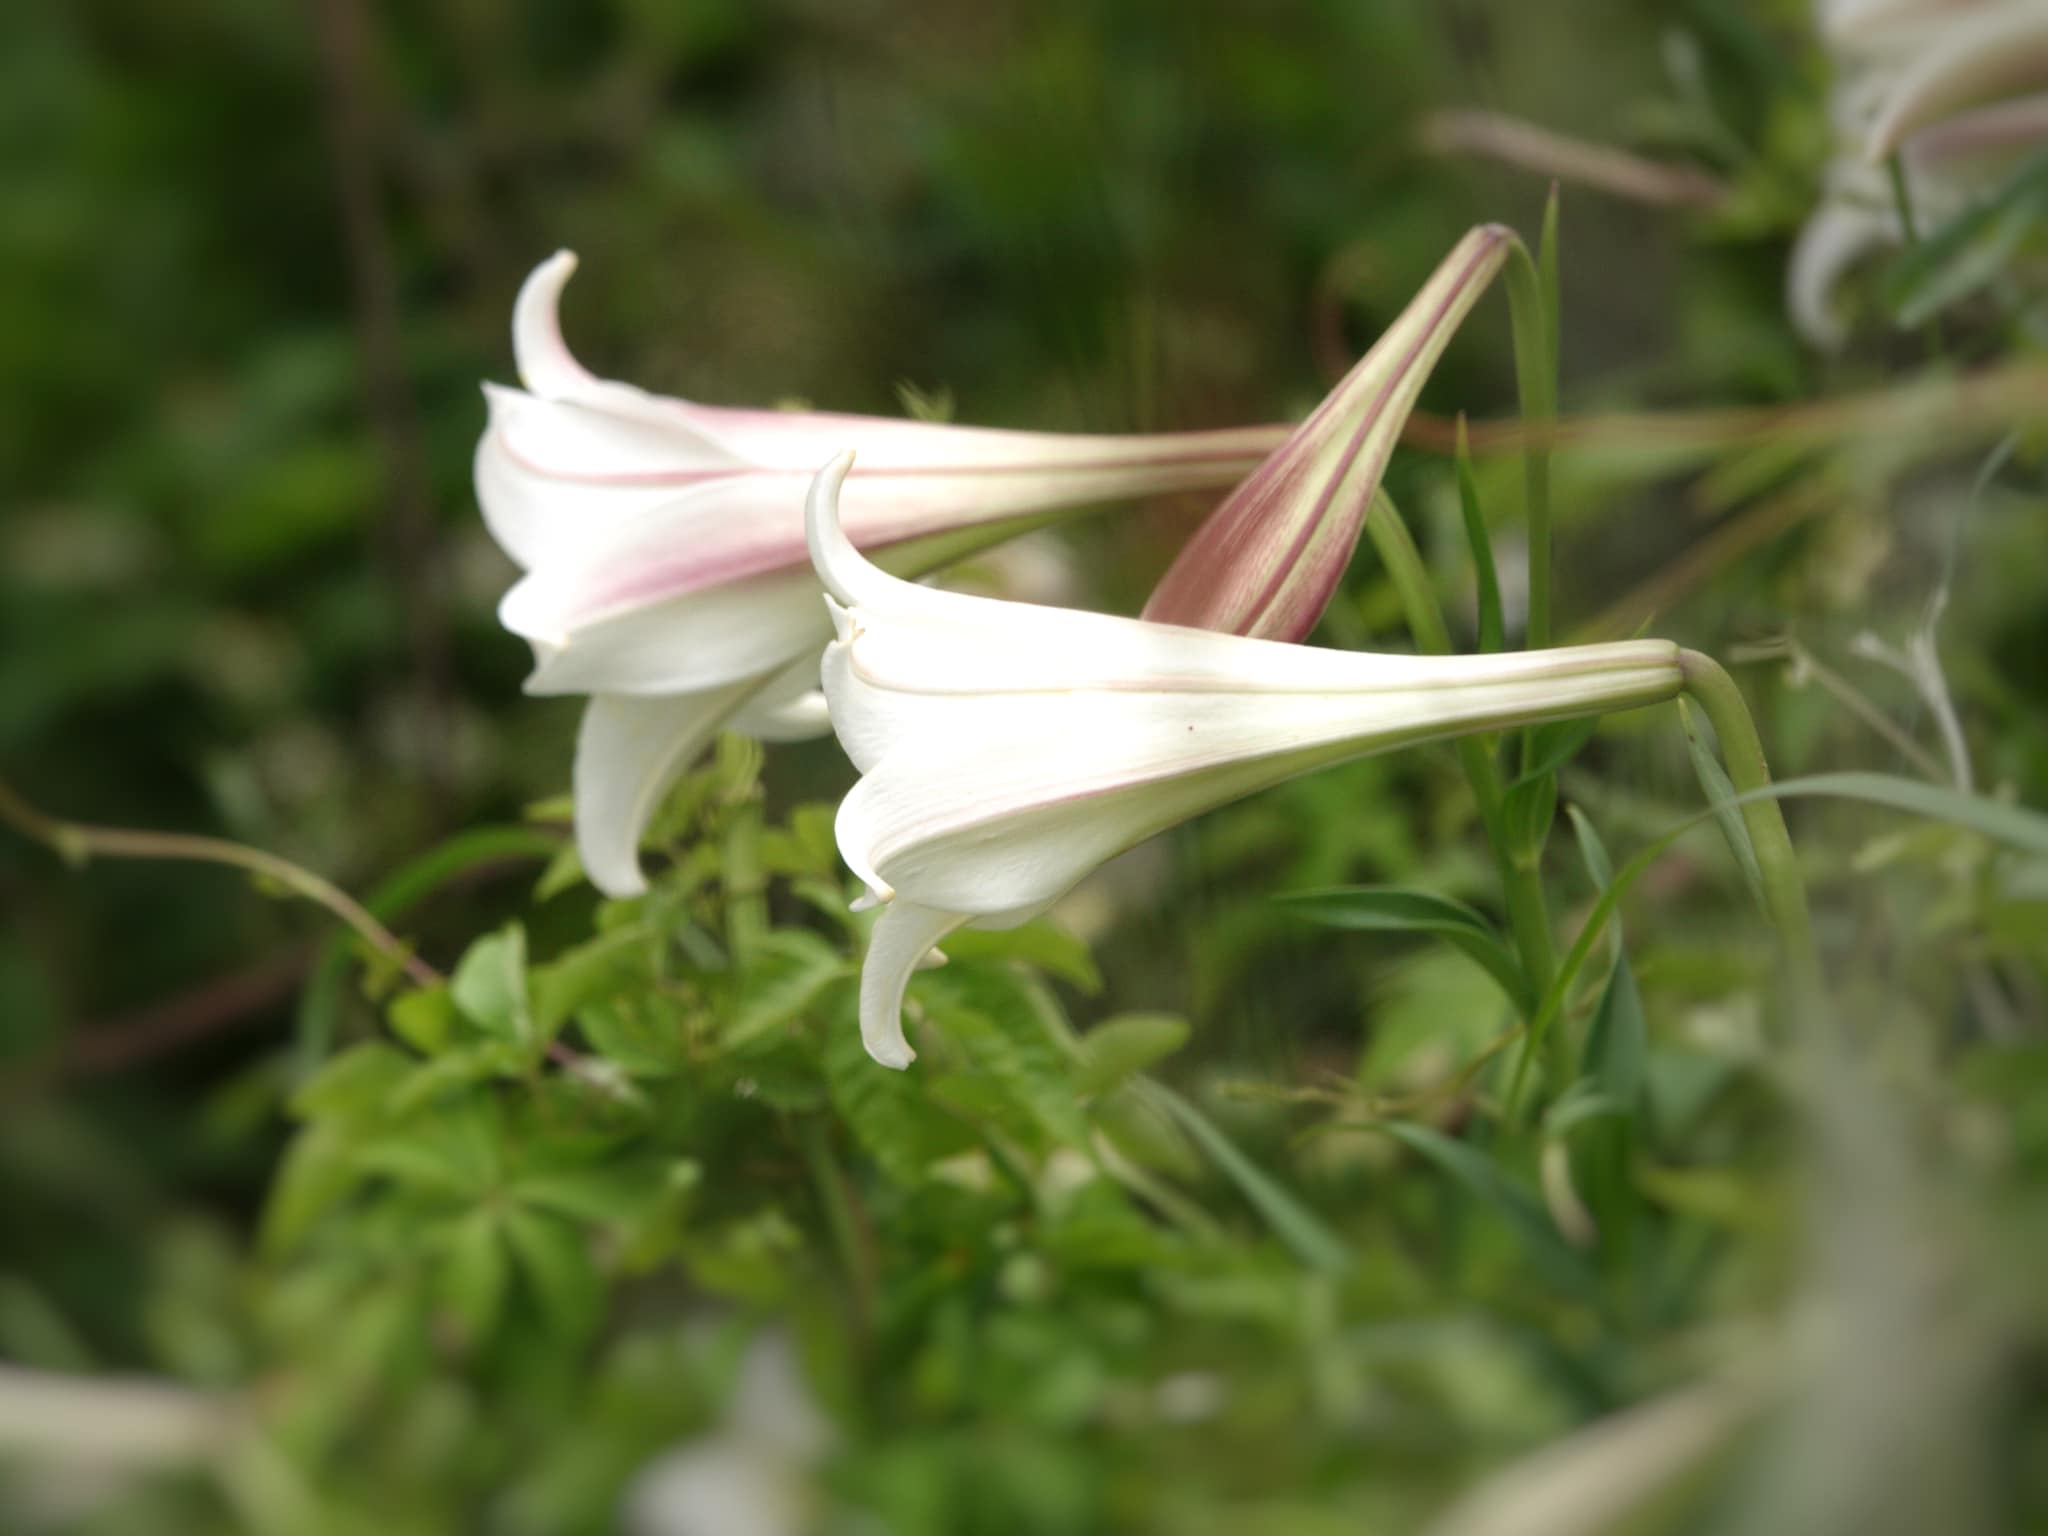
<point>799,441</point>
<point>1833,241</point>
<point>903,935</point>
<point>628,753</point>
<point>790,708</point>
<point>696,641</point>
<point>2002,50</point>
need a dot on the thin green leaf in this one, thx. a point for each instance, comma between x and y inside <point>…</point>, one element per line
<point>1492,625</point>
<point>1292,1222</point>
<point>1526,813</point>
<point>1118,1049</point>
<point>1720,792</point>
<point>489,985</point>
<point>2014,826</point>
<point>1408,909</point>
<point>1553,745</point>
<point>1969,251</point>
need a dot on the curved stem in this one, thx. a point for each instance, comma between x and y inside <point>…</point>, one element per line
<point>77,842</point>
<point>1710,686</point>
<point>1521,885</point>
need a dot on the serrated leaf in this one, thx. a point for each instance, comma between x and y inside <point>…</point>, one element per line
<point>616,1194</point>
<point>886,1110</point>
<point>456,1070</point>
<point>999,1019</point>
<point>1119,1048</point>
<point>644,1037</point>
<point>788,969</point>
<point>355,1083</point>
<point>318,1170</point>
<point>1410,909</point>
<point>454,1152</point>
<point>423,1019</point>
<point>615,962</point>
<point>489,985</point>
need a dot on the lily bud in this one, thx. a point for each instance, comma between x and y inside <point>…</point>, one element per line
<point>1006,750</point>
<point>1268,560</point>
<point>663,547</point>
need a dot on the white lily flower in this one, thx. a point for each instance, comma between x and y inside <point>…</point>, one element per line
<point>1957,88</point>
<point>663,547</point>
<point>1271,555</point>
<point>1006,750</point>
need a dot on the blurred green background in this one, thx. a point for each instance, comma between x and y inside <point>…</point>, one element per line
<point>256,257</point>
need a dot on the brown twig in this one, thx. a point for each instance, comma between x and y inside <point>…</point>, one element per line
<point>1544,152</point>
<point>77,842</point>
<point>1982,401</point>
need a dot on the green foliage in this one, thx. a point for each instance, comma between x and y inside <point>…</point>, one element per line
<point>1200,1211</point>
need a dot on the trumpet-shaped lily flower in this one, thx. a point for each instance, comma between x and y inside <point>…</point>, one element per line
<point>1007,750</point>
<point>663,547</point>
<point>1268,559</point>
<point>1956,88</point>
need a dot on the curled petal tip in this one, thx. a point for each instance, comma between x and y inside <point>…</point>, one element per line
<point>545,363</point>
<point>840,567</point>
<point>902,938</point>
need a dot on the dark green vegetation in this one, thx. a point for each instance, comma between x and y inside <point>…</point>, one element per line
<point>1202,1210</point>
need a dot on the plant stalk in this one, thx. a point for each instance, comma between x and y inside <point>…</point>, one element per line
<point>1521,887</point>
<point>1707,682</point>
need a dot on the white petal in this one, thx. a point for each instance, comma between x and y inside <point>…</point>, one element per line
<point>546,365</point>
<point>1833,241</point>
<point>790,708</point>
<point>903,935</point>
<point>994,804</point>
<point>699,640</point>
<point>1999,50</point>
<point>550,477</point>
<point>628,753</point>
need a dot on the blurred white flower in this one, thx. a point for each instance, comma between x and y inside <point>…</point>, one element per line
<point>1005,750</point>
<point>1958,89</point>
<point>663,549</point>
<point>752,1475</point>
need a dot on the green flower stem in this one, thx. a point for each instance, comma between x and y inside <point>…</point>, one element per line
<point>1521,887</point>
<point>1710,686</point>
